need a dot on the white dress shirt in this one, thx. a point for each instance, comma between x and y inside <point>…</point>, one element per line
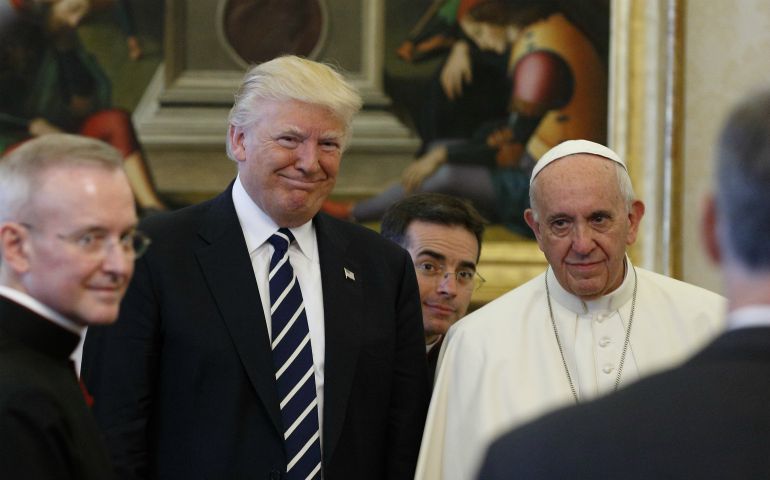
<point>303,255</point>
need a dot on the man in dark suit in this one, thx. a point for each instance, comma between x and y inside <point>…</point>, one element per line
<point>443,236</point>
<point>708,418</point>
<point>190,384</point>
<point>68,243</point>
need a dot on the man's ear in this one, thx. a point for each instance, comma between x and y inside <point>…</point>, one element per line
<point>14,247</point>
<point>237,138</point>
<point>709,230</point>
<point>529,217</point>
<point>635,214</point>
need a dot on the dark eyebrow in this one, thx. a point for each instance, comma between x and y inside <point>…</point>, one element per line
<point>433,254</point>
<point>440,257</point>
<point>468,265</point>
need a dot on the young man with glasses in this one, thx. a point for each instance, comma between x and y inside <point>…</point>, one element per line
<point>443,236</point>
<point>68,242</point>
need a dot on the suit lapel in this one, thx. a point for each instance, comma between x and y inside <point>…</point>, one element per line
<point>343,310</point>
<point>226,266</point>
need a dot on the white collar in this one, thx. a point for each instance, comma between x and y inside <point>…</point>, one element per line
<point>608,303</point>
<point>257,226</point>
<point>41,309</point>
<point>429,346</point>
<point>749,316</point>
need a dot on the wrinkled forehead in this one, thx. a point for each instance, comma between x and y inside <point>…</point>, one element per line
<point>578,177</point>
<point>577,166</point>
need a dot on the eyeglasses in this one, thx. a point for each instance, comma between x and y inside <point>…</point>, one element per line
<point>465,278</point>
<point>96,242</point>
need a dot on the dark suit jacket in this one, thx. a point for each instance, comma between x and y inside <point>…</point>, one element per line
<point>432,358</point>
<point>184,382</point>
<point>708,419</point>
<point>46,429</point>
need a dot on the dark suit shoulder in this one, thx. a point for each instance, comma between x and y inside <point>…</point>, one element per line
<point>358,235</point>
<point>184,219</point>
<point>698,420</point>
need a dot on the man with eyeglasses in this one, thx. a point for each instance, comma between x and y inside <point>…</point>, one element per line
<point>443,236</point>
<point>68,241</point>
<point>590,324</point>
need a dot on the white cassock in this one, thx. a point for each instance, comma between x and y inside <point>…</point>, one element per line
<point>500,366</point>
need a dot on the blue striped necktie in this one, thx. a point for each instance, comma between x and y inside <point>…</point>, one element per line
<point>293,359</point>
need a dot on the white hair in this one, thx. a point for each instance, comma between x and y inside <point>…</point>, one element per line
<point>21,170</point>
<point>293,78</point>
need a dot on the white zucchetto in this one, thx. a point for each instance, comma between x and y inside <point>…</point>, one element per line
<point>571,147</point>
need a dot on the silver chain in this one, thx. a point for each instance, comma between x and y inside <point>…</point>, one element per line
<point>625,343</point>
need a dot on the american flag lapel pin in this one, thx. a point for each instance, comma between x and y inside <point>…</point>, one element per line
<point>349,275</point>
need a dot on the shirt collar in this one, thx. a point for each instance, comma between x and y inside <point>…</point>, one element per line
<point>434,343</point>
<point>44,311</point>
<point>749,316</point>
<point>607,303</point>
<point>257,226</point>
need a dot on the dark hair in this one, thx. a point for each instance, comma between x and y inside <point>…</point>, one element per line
<point>743,182</point>
<point>431,208</point>
<point>516,12</point>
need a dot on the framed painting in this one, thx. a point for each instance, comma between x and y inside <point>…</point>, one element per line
<point>181,117</point>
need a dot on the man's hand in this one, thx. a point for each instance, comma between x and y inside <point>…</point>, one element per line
<point>41,126</point>
<point>422,168</point>
<point>405,51</point>
<point>509,154</point>
<point>508,151</point>
<point>457,70</point>
<point>408,51</point>
<point>499,137</point>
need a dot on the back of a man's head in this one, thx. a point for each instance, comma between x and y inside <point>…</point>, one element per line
<point>434,208</point>
<point>743,183</point>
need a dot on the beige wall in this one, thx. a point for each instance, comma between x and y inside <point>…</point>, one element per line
<point>727,55</point>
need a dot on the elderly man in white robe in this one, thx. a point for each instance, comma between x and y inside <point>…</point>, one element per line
<point>590,324</point>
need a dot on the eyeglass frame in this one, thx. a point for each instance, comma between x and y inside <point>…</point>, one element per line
<point>476,281</point>
<point>103,243</point>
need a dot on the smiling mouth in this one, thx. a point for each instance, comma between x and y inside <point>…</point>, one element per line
<point>302,183</point>
<point>445,309</point>
<point>113,290</point>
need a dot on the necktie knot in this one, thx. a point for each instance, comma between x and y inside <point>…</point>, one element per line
<point>281,240</point>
